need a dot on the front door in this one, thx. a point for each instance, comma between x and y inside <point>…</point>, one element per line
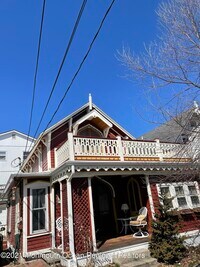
<point>103,210</point>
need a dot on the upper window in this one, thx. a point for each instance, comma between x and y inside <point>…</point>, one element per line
<point>89,131</point>
<point>180,195</point>
<point>25,154</point>
<point>2,155</point>
<point>184,138</point>
<point>13,135</point>
<point>39,210</point>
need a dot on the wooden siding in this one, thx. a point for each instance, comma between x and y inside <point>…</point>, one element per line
<point>36,243</point>
<point>11,221</point>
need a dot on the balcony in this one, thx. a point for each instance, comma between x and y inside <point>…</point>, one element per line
<point>96,149</point>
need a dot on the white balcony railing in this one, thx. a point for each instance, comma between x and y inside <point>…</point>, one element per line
<point>62,153</point>
<point>95,148</point>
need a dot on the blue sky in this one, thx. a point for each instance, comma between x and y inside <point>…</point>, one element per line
<point>130,22</point>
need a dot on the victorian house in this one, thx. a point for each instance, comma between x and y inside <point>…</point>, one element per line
<point>73,185</point>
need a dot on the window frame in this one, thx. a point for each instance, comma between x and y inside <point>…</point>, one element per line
<point>3,159</point>
<point>39,185</point>
<point>89,126</point>
<point>186,195</point>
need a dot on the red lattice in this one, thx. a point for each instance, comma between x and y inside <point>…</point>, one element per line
<point>82,223</point>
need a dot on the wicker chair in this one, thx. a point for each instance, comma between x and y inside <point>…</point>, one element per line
<point>140,222</point>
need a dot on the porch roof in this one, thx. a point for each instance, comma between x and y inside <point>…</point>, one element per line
<point>17,176</point>
<point>93,168</point>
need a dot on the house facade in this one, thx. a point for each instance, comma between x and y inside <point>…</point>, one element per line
<point>13,146</point>
<point>71,187</point>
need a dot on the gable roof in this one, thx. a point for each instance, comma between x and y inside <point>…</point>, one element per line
<point>18,133</point>
<point>174,129</point>
<point>81,109</point>
<point>88,107</point>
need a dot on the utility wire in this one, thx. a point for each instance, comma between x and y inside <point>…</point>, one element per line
<point>79,68</point>
<point>63,61</point>
<point>82,62</point>
<point>36,71</point>
<point>59,71</point>
<point>35,80</point>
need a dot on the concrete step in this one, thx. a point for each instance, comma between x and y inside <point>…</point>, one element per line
<point>150,262</point>
<point>131,256</point>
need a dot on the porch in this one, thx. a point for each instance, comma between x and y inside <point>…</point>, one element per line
<point>98,149</point>
<point>110,194</point>
<point>121,242</point>
<point>97,207</point>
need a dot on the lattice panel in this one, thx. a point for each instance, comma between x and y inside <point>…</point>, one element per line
<point>82,223</point>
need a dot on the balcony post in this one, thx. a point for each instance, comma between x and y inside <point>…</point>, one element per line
<point>119,143</point>
<point>158,150</point>
<point>71,146</point>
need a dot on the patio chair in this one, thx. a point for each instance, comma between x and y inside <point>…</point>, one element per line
<point>140,222</point>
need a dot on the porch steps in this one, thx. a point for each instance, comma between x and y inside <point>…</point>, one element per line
<point>136,258</point>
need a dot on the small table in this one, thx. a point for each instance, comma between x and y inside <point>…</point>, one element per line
<point>125,224</point>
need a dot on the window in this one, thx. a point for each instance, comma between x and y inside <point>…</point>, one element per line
<point>89,131</point>
<point>167,198</point>
<point>39,209</point>
<point>13,135</point>
<point>193,195</point>
<point>2,155</point>
<point>184,138</point>
<point>25,154</point>
<point>180,195</point>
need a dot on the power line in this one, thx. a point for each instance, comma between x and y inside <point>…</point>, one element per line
<point>60,68</point>
<point>78,70</point>
<point>35,79</point>
<point>63,61</point>
<point>82,62</point>
<point>36,71</point>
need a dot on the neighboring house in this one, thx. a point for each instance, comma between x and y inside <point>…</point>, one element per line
<point>71,187</point>
<point>12,153</point>
<point>178,129</point>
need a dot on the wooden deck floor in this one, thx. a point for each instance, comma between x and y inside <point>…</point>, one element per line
<point>120,242</point>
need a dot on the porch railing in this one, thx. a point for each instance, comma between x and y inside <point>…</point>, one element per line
<point>101,149</point>
<point>62,153</point>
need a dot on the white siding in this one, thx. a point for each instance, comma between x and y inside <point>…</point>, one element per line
<point>14,148</point>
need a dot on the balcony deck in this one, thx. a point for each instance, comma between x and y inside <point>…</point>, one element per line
<point>96,149</point>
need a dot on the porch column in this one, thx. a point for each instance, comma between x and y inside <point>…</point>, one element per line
<point>25,218</point>
<point>119,143</point>
<point>71,146</point>
<point>70,217</point>
<point>52,198</point>
<point>150,196</point>
<point>92,215</point>
<point>49,151</point>
<point>158,149</point>
<point>61,215</point>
